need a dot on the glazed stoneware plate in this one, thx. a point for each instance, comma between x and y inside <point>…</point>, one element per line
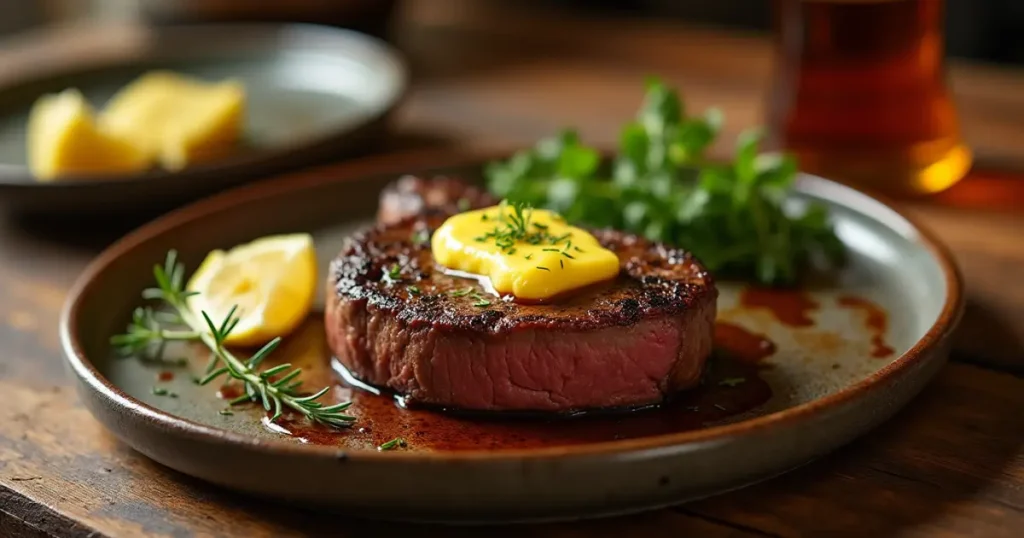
<point>799,373</point>
<point>313,94</point>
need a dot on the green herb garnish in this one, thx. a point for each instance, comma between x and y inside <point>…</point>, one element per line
<point>276,387</point>
<point>226,412</point>
<point>413,290</point>
<point>393,274</point>
<point>516,227</point>
<point>393,444</point>
<point>420,237</point>
<point>542,268</point>
<point>731,215</point>
<point>460,293</point>
<point>160,391</point>
<point>478,300</point>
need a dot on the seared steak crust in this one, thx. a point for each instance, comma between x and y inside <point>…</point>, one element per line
<point>416,196</point>
<point>395,319</point>
<point>655,280</point>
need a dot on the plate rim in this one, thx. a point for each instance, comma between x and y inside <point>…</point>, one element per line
<point>426,159</point>
<point>15,177</point>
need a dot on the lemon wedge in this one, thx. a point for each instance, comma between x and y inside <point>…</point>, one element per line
<point>64,140</point>
<point>271,280</point>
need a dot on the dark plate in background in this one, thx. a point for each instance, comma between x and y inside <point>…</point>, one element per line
<point>314,93</point>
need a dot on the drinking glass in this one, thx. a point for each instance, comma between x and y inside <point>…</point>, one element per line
<point>859,94</point>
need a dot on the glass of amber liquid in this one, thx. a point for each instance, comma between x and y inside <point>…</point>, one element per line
<point>859,94</point>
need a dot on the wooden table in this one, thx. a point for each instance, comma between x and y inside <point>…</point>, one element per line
<point>951,464</point>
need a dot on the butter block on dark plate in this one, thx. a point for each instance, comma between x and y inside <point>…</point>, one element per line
<point>313,94</point>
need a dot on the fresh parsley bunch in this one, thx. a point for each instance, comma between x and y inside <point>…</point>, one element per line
<point>732,216</point>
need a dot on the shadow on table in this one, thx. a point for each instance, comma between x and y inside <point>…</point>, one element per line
<point>988,340</point>
<point>92,234</point>
<point>274,519</point>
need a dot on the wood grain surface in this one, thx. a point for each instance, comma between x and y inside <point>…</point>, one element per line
<point>951,464</point>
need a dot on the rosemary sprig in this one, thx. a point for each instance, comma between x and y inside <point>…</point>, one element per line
<point>148,329</point>
<point>160,391</point>
<point>392,444</point>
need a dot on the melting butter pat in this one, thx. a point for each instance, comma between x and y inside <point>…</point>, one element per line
<point>531,254</point>
<point>178,119</point>
<point>63,139</point>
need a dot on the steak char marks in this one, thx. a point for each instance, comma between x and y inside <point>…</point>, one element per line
<point>416,196</point>
<point>632,341</point>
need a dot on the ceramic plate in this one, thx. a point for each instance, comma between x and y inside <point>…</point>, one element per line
<point>847,355</point>
<point>314,94</point>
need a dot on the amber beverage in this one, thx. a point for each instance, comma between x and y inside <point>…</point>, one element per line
<point>859,94</point>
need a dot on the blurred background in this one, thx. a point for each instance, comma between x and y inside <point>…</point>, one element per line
<point>857,90</point>
<point>982,30</point>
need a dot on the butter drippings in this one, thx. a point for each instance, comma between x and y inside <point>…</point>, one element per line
<point>530,254</point>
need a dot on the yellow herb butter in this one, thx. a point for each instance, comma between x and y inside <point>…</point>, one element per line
<point>177,118</point>
<point>531,254</point>
<point>63,140</point>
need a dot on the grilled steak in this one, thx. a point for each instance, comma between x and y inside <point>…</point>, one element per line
<point>412,195</point>
<point>628,342</point>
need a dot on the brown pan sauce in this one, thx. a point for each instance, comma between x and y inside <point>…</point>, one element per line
<point>791,307</point>
<point>729,388</point>
<point>875,319</point>
<point>732,385</point>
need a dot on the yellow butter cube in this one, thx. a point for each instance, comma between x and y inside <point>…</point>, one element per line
<point>179,119</point>
<point>64,140</point>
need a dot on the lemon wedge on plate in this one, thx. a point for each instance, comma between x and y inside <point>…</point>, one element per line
<point>271,280</point>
